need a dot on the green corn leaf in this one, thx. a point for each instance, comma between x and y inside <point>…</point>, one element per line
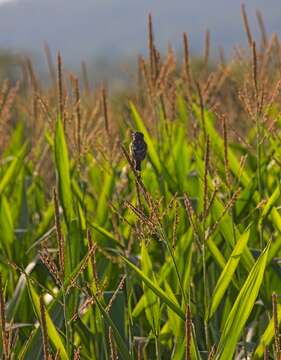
<point>13,169</point>
<point>53,334</point>
<point>140,306</point>
<point>152,305</point>
<point>276,220</point>
<point>228,272</point>
<point>63,171</point>
<point>156,289</point>
<point>107,234</point>
<point>271,202</point>
<point>104,196</point>
<point>267,336</point>
<point>226,228</point>
<point>6,226</point>
<point>14,302</point>
<point>217,144</point>
<point>16,141</point>
<point>214,250</point>
<point>241,309</point>
<point>118,338</point>
<point>174,320</point>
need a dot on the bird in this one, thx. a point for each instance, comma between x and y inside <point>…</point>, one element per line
<point>138,149</point>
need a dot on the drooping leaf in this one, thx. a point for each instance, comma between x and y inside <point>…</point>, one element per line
<point>156,289</point>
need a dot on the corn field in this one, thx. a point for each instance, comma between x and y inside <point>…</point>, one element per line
<point>180,260</point>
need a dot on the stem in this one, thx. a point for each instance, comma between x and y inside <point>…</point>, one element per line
<point>259,176</point>
<point>202,237</point>
<point>157,347</point>
<point>258,104</point>
<point>205,293</point>
<point>138,191</point>
<point>67,332</point>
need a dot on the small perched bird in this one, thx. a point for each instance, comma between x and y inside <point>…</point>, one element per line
<point>138,149</point>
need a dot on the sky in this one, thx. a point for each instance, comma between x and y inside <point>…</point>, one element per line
<point>105,29</point>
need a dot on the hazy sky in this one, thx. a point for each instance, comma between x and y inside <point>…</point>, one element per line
<point>91,29</point>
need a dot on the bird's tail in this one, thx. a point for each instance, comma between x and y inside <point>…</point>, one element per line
<point>137,165</point>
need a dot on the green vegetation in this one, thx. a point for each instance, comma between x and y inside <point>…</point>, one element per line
<point>180,262</point>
